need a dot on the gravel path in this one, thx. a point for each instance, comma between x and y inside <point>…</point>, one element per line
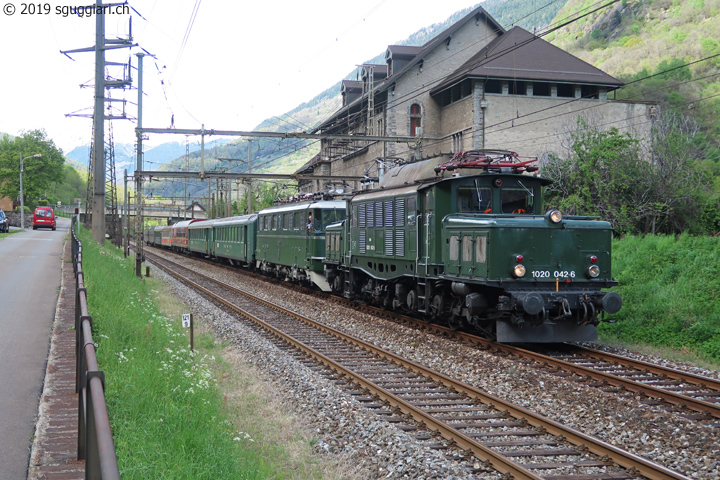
<point>379,450</point>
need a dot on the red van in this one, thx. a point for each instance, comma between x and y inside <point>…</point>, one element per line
<point>43,217</point>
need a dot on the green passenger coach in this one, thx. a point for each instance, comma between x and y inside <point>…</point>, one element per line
<point>234,239</point>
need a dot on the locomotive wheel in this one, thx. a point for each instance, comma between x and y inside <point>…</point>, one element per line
<point>437,306</point>
<point>454,322</point>
<point>411,300</point>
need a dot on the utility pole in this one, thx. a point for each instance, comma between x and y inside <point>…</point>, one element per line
<point>371,102</point>
<point>187,169</point>
<point>126,222</point>
<point>250,206</point>
<point>98,145</point>
<point>139,255</point>
<point>98,206</point>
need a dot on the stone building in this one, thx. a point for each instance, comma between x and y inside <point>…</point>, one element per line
<point>473,86</point>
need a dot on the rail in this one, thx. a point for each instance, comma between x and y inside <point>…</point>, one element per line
<point>95,442</point>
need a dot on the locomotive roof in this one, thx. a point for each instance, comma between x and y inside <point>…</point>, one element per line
<point>412,177</point>
<point>292,207</point>
<point>384,192</point>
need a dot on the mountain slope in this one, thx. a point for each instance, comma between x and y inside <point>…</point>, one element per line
<point>635,39</point>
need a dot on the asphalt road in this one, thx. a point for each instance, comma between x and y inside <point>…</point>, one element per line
<point>30,272</point>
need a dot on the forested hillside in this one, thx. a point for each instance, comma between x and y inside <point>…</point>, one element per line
<point>637,40</point>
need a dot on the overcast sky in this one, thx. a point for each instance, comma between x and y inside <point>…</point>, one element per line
<point>242,62</point>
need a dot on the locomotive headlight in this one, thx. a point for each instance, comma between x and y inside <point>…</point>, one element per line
<point>519,270</point>
<point>555,216</point>
<point>593,271</point>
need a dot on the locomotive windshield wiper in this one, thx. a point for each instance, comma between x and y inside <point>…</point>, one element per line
<point>526,189</point>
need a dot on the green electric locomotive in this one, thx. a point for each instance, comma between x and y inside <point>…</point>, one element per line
<point>474,248</point>
<point>291,240</point>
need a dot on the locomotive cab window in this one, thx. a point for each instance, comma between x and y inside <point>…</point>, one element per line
<point>516,201</point>
<point>474,199</point>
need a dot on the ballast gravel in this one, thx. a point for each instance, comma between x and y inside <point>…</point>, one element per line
<point>346,427</point>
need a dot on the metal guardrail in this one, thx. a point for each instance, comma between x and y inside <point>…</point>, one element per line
<point>95,442</point>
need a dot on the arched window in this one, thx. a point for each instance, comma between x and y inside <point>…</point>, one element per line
<point>415,120</point>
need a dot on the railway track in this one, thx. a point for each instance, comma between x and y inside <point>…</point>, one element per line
<point>694,396</point>
<point>512,439</point>
<point>682,389</point>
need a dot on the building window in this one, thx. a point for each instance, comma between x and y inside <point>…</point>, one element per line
<point>457,142</point>
<point>590,91</point>
<point>516,88</point>
<point>415,120</point>
<point>566,90</point>
<point>493,86</point>
<point>541,89</point>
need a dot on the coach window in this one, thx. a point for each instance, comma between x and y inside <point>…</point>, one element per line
<point>473,199</point>
<point>480,249</point>
<point>515,200</point>
<point>454,247</point>
<point>315,220</point>
<point>467,242</point>
<point>329,216</point>
<point>415,120</point>
<point>411,211</point>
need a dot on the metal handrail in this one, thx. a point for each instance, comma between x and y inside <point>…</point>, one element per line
<point>95,442</point>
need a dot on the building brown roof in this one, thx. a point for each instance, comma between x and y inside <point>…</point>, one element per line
<point>520,55</point>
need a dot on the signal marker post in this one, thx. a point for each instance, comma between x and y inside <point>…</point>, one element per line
<point>187,322</point>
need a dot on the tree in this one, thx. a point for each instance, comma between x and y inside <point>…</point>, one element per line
<point>38,172</point>
<point>606,175</point>
<point>678,185</point>
<point>601,176</point>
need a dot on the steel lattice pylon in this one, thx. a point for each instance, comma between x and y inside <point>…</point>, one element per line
<point>90,183</point>
<point>111,204</point>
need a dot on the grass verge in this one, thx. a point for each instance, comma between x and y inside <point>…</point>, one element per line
<point>3,235</point>
<point>671,294</point>
<point>175,414</point>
